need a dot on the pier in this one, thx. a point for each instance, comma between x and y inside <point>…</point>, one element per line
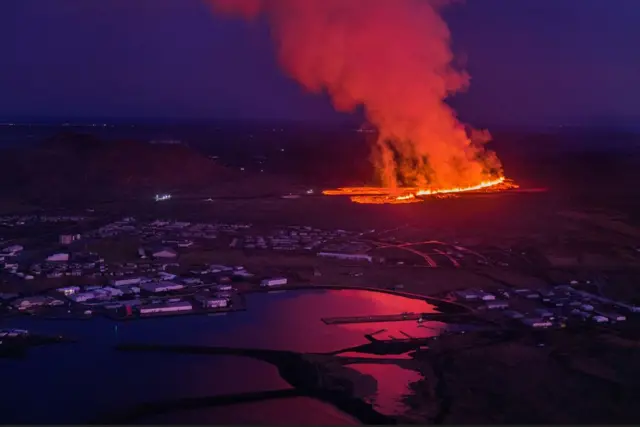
<point>384,318</point>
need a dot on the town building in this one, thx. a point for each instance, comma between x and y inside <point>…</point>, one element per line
<point>161,287</point>
<point>278,281</point>
<point>83,296</point>
<point>59,257</point>
<point>212,302</point>
<point>346,256</point>
<point>496,305</point>
<point>616,317</point>
<point>67,239</point>
<point>536,323</point>
<point>467,295</point>
<point>69,290</point>
<point>164,253</point>
<point>126,281</point>
<point>13,249</point>
<point>170,307</point>
<point>29,302</point>
<point>113,292</point>
<point>485,296</point>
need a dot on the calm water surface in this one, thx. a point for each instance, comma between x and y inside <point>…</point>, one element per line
<point>81,381</point>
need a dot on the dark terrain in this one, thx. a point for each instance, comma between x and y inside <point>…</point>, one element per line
<point>78,165</point>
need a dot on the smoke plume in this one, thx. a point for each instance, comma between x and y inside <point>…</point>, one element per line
<point>393,57</point>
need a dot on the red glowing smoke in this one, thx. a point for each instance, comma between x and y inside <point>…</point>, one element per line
<point>394,58</point>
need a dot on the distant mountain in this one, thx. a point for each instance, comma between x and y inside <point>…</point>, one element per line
<point>73,166</point>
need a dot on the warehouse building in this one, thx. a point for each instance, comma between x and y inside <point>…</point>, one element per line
<point>170,307</point>
<point>351,257</point>
<point>212,302</point>
<point>161,287</point>
<point>69,290</point>
<point>496,305</point>
<point>126,281</point>
<point>59,257</point>
<point>536,323</point>
<point>278,281</point>
<point>616,317</point>
<point>83,297</point>
<point>467,295</point>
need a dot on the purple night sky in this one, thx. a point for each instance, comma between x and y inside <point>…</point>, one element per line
<point>533,62</point>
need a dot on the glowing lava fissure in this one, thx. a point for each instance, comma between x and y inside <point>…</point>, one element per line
<point>381,195</point>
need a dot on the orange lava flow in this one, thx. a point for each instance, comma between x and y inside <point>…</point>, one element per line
<point>380,195</point>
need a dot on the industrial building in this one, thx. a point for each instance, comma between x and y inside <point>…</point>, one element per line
<point>536,323</point>
<point>67,239</point>
<point>113,291</point>
<point>278,281</point>
<point>212,302</point>
<point>351,257</point>
<point>69,290</point>
<point>161,287</point>
<point>59,257</point>
<point>496,305</point>
<point>467,295</point>
<point>485,296</point>
<point>164,253</point>
<point>224,287</point>
<point>616,317</point>
<point>170,307</point>
<point>127,281</point>
<point>13,249</point>
<point>83,296</point>
<point>28,302</point>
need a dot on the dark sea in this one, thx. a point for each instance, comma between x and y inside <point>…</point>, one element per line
<point>84,381</point>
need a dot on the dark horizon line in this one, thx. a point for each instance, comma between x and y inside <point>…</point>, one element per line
<point>167,121</point>
<point>164,120</point>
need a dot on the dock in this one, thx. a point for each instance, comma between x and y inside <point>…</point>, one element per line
<point>384,318</point>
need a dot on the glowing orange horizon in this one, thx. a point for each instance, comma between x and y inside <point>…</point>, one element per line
<point>381,195</point>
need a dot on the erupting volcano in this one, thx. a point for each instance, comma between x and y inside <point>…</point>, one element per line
<point>393,58</point>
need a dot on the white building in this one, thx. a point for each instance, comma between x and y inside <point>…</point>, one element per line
<point>485,296</point>
<point>127,281</point>
<point>69,290</point>
<point>467,295</point>
<point>600,319</point>
<point>13,249</point>
<point>166,276</point>
<point>83,297</point>
<point>536,323</point>
<point>113,291</point>
<point>164,253</point>
<point>209,302</point>
<point>351,257</point>
<point>224,287</point>
<point>171,307</point>
<point>67,239</point>
<point>29,302</point>
<point>278,281</point>
<point>496,305</point>
<point>616,317</point>
<point>59,257</point>
<point>161,287</point>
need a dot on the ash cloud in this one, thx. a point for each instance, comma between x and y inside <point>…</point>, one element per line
<point>393,57</point>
